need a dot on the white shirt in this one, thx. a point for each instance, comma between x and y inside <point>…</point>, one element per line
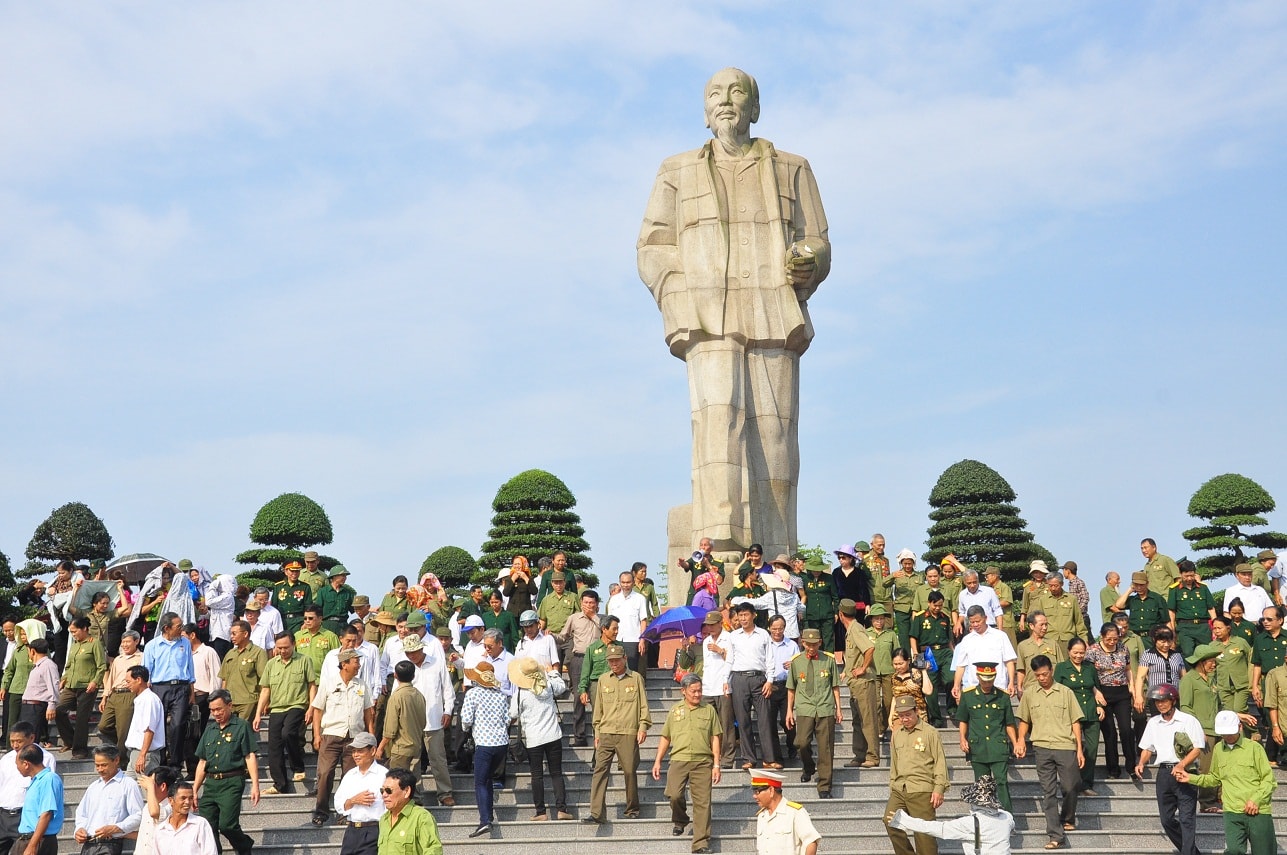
<point>205,669</point>
<point>785,830</point>
<point>194,837</point>
<point>714,666</point>
<point>994,830</point>
<point>992,645</point>
<point>147,828</point>
<point>261,635</point>
<point>501,664</point>
<point>474,653</point>
<point>985,597</point>
<point>433,681</point>
<point>1159,736</point>
<point>749,651</point>
<point>538,715</point>
<point>632,611</point>
<point>13,786</point>
<point>1254,601</point>
<point>783,652</point>
<point>784,603</point>
<point>116,801</point>
<point>272,619</point>
<point>149,714</point>
<point>354,782</point>
<point>542,649</point>
<point>222,602</point>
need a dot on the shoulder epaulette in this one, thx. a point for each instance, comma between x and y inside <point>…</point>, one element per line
<point>970,689</point>
<point>795,805</point>
<point>1174,584</point>
<point>832,655</point>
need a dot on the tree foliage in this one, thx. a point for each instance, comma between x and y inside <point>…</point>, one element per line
<point>284,528</point>
<point>70,533</point>
<point>1228,505</point>
<point>534,518</point>
<point>453,566</point>
<point>9,586</point>
<point>974,519</point>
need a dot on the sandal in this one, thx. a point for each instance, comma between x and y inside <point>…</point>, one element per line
<point>746,767</point>
<point>1068,826</point>
<point>1055,844</point>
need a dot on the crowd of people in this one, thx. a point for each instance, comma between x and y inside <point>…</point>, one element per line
<point>185,672</point>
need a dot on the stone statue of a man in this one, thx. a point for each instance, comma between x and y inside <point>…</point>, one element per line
<point>734,242</point>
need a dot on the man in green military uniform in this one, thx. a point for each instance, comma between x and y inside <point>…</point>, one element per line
<point>933,582</point>
<point>596,658</point>
<point>1062,610</point>
<point>291,597</point>
<point>621,722</point>
<point>864,689</point>
<point>1240,768</point>
<point>312,574</point>
<point>877,564</point>
<point>885,641</point>
<point>1191,606</point>
<point>820,602</point>
<point>241,671</point>
<point>1198,699</point>
<point>286,692</point>
<point>336,599</point>
<point>813,708</point>
<point>1034,587</point>
<point>752,587</point>
<point>901,585</point>
<point>1233,666</point>
<point>554,610</point>
<point>692,733</point>
<point>1038,643</point>
<point>1269,651</point>
<point>1108,596</point>
<point>313,642</point>
<point>1005,596</point>
<point>988,730</point>
<point>932,632</point>
<point>917,775</point>
<point>1147,609</point>
<point>225,761</point>
<point>1161,570</point>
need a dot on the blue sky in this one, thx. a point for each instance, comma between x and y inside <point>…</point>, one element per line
<point>384,255</point>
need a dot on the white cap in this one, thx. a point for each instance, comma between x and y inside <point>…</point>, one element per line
<point>1227,723</point>
<point>474,622</point>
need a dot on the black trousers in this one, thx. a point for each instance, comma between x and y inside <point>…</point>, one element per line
<point>48,845</point>
<point>175,700</point>
<point>8,828</point>
<point>1117,729</point>
<point>748,697</point>
<point>200,712</point>
<point>34,714</point>
<point>285,737</point>
<point>82,702</point>
<point>361,841</point>
<point>777,714</point>
<point>551,753</point>
<point>1177,806</point>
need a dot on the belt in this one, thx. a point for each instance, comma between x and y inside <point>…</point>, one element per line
<point>578,654</point>
<point>12,811</point>
<point>751,673</point>
<point>37,703</point>
<point>171,683</point>
<point>1192,620</point>
<point>28,835</point>
<point>219,776</point>
<point>367,824</point>
<point>119,691</point>
<point>1166,765</point>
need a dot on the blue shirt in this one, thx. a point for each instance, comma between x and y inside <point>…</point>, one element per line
<point>168,660</point>
<point>44,794</point>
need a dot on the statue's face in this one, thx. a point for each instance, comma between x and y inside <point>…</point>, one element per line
<point>730,106</point>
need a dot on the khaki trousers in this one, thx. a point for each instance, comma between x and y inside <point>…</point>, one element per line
<point>696,774</point>
<point>623,747</point>
<point>824,729</point>
<point>436,748</point>
<point>118,712</point>
<point>864,704</point>
<point>917,805</point>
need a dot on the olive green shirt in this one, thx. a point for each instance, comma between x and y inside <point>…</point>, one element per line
<point>1064,614</point>
<point>241,672</point>
<point>595,664</point>
<point>98,622</point>
<point>902,589</point>
<point>314,579</point>
<point>885,642</point>
<point>336,605</point>
<point>1147,612</point>
<point>17,671</point>
<point>225,749</point>
<point>1198,699</point>
<point>1162,573</point>
<point>1107,597</point>
<point>288,682</point>
<point>315,645</point>
<point>621,705</point>
<point>916,760</point>
<point>395,605</point>
<point>405,717</point>
<point>555,609</point>
<point>857,643</point>
<point>691,732</point>
<point>1051,714</point>
<point>920,599</point>
<point>1233,665</point>
<point>1005,596</point>
<point>86,663</point>
<point>986,717</point>
<point>877,570</point>
<point>1031,647</point>
<point>1275,695</point>
<point>814,683</point>
<point>1243,772</point>
<point>415,833</point>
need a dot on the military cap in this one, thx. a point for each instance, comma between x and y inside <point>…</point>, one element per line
<point>558,576</point>
<point>985,669</point>
<point>311,555</point>
<point>848,608</point>
<point>97,564</point>
<point>992,570</point>
<point>862,546</point>
<point>811,636</point>
<point>1139,578</point>
<point>411,644</point>
<point>817,565</point>
<point>416,618</point>
<point>386,619</point>
<point>440,632</point>
<point>252,605</point>
<point>337,570</point>
<point>877,610</point>
<point>1262,555</point>
<point>348,655</point>
<point>1203,652</point>
<point>904,703</point>
<point>1069,565</point>
<point>615,651</point>
<point>185,564</point>
<point>1243,568</point>
<point>767,778</point>
<point>361,600</point>
<point>713,619</point>
<point>290,565</point>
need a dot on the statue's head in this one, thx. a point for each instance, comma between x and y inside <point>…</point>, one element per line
<point>732,102</point>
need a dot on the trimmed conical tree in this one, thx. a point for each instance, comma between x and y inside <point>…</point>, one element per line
<point>533,517</point>
<point>70,533</point>
<point>975,519</point>
<point>284,528</point>
<point>1230,504</point>
<point>453,566</point>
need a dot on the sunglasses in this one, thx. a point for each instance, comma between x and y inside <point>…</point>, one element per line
<point>759,789</point>
<point>388,791</point>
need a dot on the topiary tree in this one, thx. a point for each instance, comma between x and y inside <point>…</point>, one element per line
<point>975,519</point>
<point>286,527</point>
<point>453,566</point>
<point>1229,504</point>
<point>9,586</point>
<point>70,533</point>
<point>534,518</point>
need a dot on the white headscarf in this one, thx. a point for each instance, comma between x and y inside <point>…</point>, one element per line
<point>151,585</point>
<point>906,553</point>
